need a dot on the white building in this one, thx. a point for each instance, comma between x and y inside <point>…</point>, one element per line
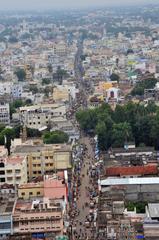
<point>13,170</point>
<point>38,116</point>
<point>4,113</point>
<point>15,90</point>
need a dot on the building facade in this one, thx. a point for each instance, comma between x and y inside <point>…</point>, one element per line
<point>4,113</point>
<point>13,170</point>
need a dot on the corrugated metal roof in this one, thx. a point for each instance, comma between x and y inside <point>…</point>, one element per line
<point>129,181</point>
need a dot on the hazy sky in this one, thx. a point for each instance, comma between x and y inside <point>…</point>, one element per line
<point>53,4</point>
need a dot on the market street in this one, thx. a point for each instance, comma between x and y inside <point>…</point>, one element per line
<point>81,231</point>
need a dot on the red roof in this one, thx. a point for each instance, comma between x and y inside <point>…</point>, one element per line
<point>133,170</point>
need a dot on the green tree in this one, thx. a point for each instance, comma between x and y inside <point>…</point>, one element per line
<point>104,132</point>
<point>55,137</point>
<point>87,119</point>
<point>50,68</point>
<point>47,91</point>
<point>21,74</point>
<point>46,81</point>
<point>144,84</point>
<point>60,74</point>
<point>8,135</point>
<point>114,77</point>
<point>33,89</point>
<point>32,133</point>
<point>121,133</point>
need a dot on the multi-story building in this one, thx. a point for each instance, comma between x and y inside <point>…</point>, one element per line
<point>13,170</point>
<point>37,218</point>
<point>39,116</point>
<point>45,159</point>
<point>151,222</point>
<point>15,90</point>
<point>52,187</point>
<point>60,49</point>
<point>4,113</point>
<point>6,223</point>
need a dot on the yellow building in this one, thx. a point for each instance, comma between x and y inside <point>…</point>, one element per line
<point>25,191</point>
<point>45,159</point>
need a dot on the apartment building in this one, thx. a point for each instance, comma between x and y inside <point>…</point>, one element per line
<point>4,113</point>
<point>6,223</point>
<point>13,170</point>
<point>33,217</point>
<point>45,159</point>
<point>60,49</point>
<point>52,187</point>
<point>41,115</point>
<point>151,222</point>
<point>13,89</point>
<point>31,190</point>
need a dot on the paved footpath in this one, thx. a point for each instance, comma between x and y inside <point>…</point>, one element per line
<point>84,233</point>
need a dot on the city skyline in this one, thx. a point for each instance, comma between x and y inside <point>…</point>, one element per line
<point>65,4</point>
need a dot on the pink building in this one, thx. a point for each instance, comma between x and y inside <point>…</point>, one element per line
<point>33,217</point>
<point>55,189</point>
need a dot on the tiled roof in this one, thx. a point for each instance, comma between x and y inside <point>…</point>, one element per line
<point>133,170</point>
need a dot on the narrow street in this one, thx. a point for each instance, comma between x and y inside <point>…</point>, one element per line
<point>81,231</point>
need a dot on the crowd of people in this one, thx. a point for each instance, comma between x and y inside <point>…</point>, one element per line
<point>83,211</point>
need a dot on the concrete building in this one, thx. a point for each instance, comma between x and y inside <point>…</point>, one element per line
<point>134,189</point>
<point>13,170</point>
<point>13,89</point>
<point>30,190</point>
<point>39,116</point>
<point>38,218</point>
<point>151,222</point>
<point>4,113</point>
<point>6,222</point>
<point>52,187</point>
<point>45,159</point>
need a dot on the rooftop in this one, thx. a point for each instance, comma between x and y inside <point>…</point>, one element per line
<point>15,160</point>
<point>132,170</point>
<point>129,181</point>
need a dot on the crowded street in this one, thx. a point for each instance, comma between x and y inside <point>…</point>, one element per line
<point>86,195</point>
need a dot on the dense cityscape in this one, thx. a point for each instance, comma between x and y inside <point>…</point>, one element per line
<point>79,124</point>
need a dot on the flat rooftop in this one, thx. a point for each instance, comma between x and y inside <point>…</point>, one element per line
<point>129,181</point>
<point>154,210</point>
<point>6,206</point>
<point>38,148</point>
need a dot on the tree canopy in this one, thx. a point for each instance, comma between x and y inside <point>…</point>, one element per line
<point>144,84</point>
<point>6,135</point>
<point>55,137</point>
<point>131,122</point>
<point>114,77</point>
<point>21,74</point>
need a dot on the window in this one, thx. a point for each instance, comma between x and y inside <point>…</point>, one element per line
<point>17,170</point>
<point>2,172</point>
<point>23,193</point>
<point>9,171</point>
<point>30,193</point>
<point>1,164</point>
<point>38,193</point>
<point>2,179</point>
<point>9,178</point>
<point>18,178</point>
<point>34,172</point>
